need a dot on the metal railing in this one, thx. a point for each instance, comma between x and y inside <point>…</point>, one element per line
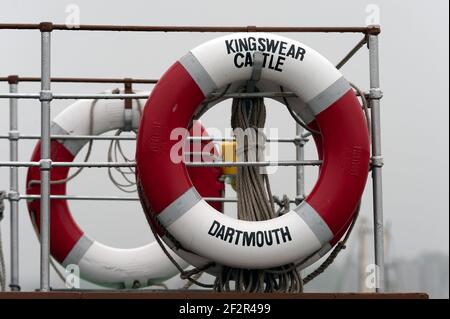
<point>370,37</point>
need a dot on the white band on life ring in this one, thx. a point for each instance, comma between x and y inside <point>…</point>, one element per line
<point>100,264</point>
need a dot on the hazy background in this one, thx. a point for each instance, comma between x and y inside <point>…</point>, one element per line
<point>414,78</point>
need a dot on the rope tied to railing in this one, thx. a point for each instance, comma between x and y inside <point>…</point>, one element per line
<point>114,150</point>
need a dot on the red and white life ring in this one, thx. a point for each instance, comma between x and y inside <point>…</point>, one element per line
<point>325,101</point>
<point>98,263</point>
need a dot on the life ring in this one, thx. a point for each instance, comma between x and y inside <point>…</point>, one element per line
<point>98,263</point>
<point>325,100</point>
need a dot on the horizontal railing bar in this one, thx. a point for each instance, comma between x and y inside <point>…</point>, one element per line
<point>73,137</point>
<point>144,28</point>
<point>132,138</point>
<point>121,96</point>
<point>246,95</point>
<point>116,198</point>
<point>81,197</point>
<point>231,139</point>
<point>19,95</point>
<point>103,96</point>
<point>17,79</point>
<point>258,164</point>
<point>190,164</point>
<point>69,164</point>
<point>93,164</point>
<point>130,96</point>
<point>19,164</point>
<point>231,200</point>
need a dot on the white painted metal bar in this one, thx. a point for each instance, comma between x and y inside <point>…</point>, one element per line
<point>45,160</point>
<point>14,189</point>
<point>377,161</point>
<point>135,96</point>
<point>299,170</point>
<point>133,164</point>
<point>132,138</point>
<point>118,198</point>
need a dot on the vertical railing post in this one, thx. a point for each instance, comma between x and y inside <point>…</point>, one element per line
<point>45,163</point>
<point>14,184</point>
<point>377,159</point>
<point>300,169</point>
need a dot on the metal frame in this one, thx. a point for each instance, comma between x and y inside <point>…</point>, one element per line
<point>46,96</point>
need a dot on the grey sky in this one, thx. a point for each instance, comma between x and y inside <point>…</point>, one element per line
<point>414,78</point>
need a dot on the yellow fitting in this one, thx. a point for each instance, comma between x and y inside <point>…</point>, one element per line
<point>229,155</point>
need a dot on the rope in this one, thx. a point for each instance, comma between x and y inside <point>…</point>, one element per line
<point>114,149</point>
<point>117,154</point>
<point>189,283</point>
<point>278,278</point>
<point>338,248</point>
<point>255,201</point>
<point>117,148</point>
<point>71,177</point>
<point>186,275</point>
<point>129,185</point>
<point>284,204</point>
<point>365,105</point>
<point>296,117</point>
<point>341,245</point>
<point>2,258</point>
<point>206,104</point>
<point>86,157</point>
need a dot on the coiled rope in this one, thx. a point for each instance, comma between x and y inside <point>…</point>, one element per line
<point>115,149</point>
<point>255,201</point>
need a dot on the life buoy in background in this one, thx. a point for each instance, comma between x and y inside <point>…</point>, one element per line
<point>328,101</point>
<point>99,263</point>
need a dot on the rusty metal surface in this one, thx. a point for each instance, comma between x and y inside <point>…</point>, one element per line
<point>142,28</point>
<point>202,295</point>
<point>16,79</point>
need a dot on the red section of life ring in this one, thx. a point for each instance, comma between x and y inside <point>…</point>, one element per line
<point>64,231</point>
<point>320,219</point>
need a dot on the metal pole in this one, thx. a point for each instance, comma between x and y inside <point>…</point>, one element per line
<point>133,164</point>
<point>45,163</point>
<point>300,170</point>
<point>147,28</point>
<point>377,160</point>
<point>122,198</point>
<point>132,138</point>
<point>14,185</point>
<point>134,96</point>
<point>352,52</point>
